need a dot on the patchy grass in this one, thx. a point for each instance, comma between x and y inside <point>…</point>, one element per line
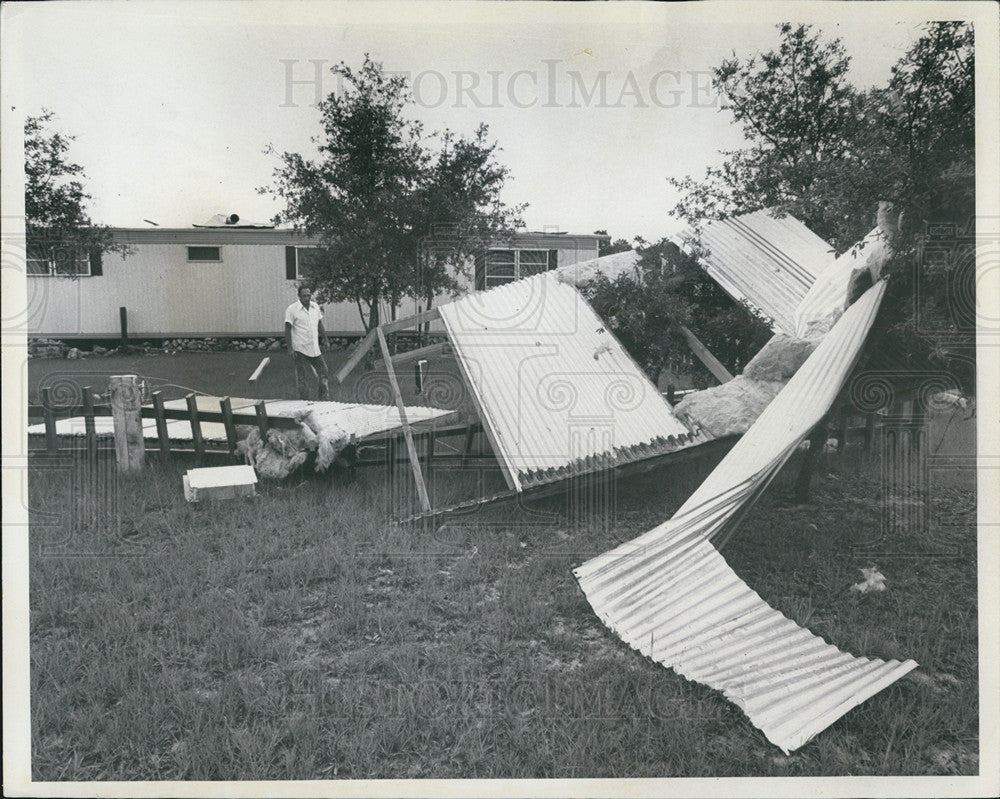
<point>298,635</point>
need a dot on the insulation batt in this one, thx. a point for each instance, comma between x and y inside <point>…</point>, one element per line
<point>284,451</point>
<point>730,409</point>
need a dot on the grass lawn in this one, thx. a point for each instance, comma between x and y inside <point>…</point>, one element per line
<point>298,635</point>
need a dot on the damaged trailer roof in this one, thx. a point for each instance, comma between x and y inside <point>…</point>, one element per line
<point>557,392</point>
<point>769,262</point>
<point>670,594</point>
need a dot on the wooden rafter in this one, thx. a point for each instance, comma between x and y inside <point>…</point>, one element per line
<point>389,327</point>
<point>418,476</point>
<point>713,364</point>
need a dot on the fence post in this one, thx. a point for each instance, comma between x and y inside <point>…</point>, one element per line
<point>123,318</point>
<point>199,443</point>
<point>842,430</point>
<point>51,439</point>
<point>226,406</point>
<point>870,422</point>
<point>161,427</point>
<point>261,409</point>
<point>88,423</point>
<point>126,411</point>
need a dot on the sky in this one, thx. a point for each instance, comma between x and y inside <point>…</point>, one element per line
<point>173,103</point>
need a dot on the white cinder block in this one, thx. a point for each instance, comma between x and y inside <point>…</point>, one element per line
<point>220,482</point>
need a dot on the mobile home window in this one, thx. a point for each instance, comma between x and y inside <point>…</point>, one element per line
<point>66,263</point>
<point>506,266</point>
<point>204,254</point>
<point>298,260</point>
<point>304,258</point>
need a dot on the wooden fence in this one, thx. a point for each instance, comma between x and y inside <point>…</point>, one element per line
<point>432,440</point>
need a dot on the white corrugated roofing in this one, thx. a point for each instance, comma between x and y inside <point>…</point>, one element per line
<point>769,262</point>
<point>558,393</point>
<point>827,297</point>
<point>352,418</point>
<point>671,595</point>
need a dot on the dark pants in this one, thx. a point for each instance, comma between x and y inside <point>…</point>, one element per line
<point>306,368</point>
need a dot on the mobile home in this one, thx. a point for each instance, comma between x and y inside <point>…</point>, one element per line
<point>230,280</point>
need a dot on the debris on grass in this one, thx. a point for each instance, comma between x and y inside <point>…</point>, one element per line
<point>282,452</point>
<point>874,581</point>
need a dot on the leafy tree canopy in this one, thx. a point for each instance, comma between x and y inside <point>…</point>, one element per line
<point>610,247</point>
<point>395,216</point>
<point>57,225</point>
<point>645,313</point>
<point>827,152</point>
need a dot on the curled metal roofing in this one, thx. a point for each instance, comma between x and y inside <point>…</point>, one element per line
<point>558,393</point>
<point>671,595</point>
<point>769,262</point>
<point>827,297</point>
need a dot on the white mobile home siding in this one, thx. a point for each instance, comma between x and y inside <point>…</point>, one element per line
<point>166,296</point>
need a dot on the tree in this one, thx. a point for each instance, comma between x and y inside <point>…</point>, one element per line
<point>646,313</point>
<point>610,247</point>
<point>394,218</point>
<point>57,227</point>
<point>826,152</point>
<point>459,210</point>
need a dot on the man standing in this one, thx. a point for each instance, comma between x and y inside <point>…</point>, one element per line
<point>303,328</point>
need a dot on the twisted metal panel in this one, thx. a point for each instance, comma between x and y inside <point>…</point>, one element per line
<point>558,392</point>
<point>670,594</point>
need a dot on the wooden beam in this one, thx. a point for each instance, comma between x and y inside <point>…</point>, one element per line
<point>422,352</point>
<point>418,477</point>
<point>702,353</point>
<point>359,352</point>
<point>411,321</point>
<point>389,327</point>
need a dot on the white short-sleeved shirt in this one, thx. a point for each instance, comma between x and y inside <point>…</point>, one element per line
<point>305,327</point>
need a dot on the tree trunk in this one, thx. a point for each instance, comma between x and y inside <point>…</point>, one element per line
<point>361,313</point>
<point>817,438</point>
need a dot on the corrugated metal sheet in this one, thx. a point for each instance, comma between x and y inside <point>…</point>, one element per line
<point>769,262</point>
<point>359,420</point>
<point>828,295</point>
<point>671,595</point>
<point>558,393</point>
